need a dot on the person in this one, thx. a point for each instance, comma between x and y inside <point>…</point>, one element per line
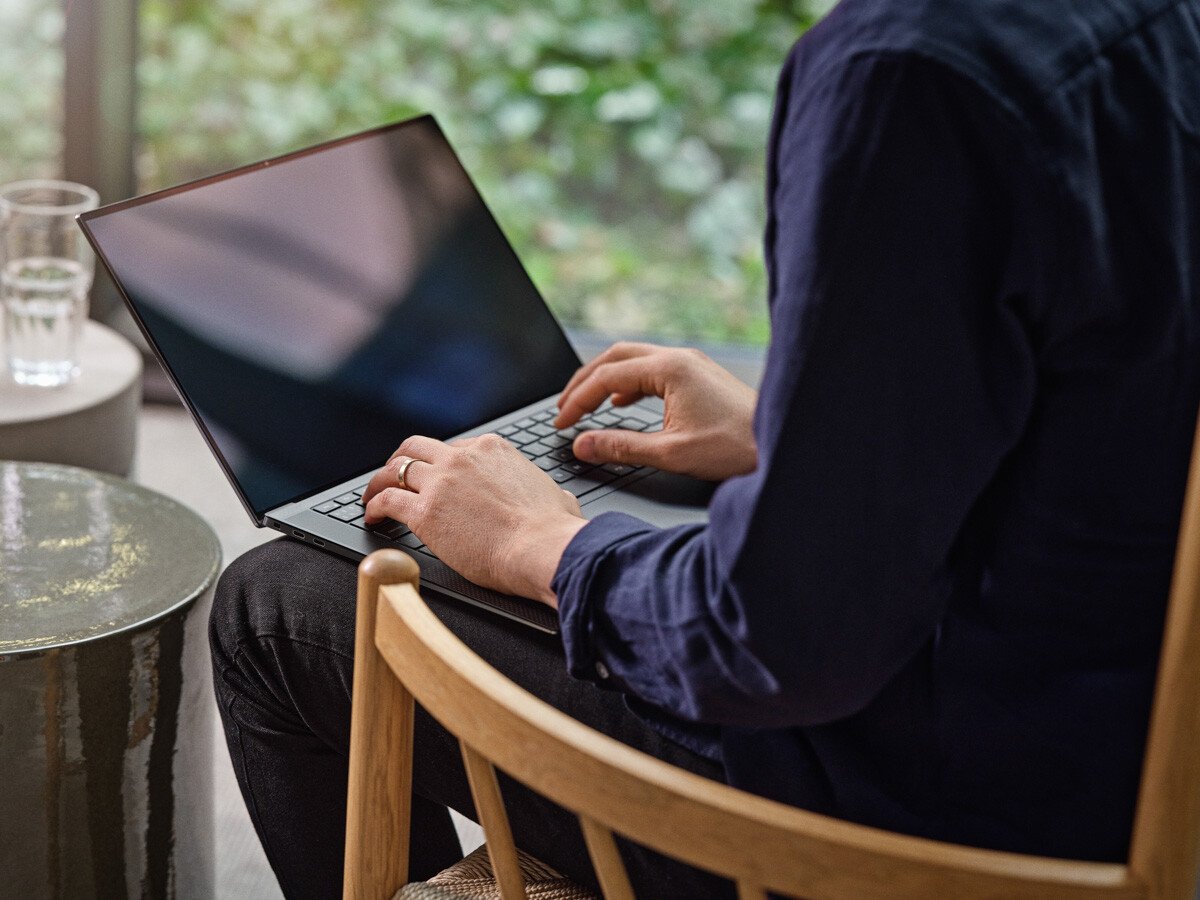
<point>931,590</point>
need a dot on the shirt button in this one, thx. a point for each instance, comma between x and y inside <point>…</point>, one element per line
<point>601,671</point>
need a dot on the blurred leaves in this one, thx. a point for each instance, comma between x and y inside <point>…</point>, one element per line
<point>31,71</point>
<point>619,142</point>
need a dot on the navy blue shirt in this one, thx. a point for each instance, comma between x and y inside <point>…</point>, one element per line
<point>937,604</point>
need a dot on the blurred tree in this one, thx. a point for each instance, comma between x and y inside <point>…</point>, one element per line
<point>619,142</point>
<point>31,67</point>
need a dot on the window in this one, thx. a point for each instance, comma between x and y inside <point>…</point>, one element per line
<point>619,142</point>
<point>31,69</point>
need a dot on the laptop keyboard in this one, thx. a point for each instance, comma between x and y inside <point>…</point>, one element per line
<point>548,448</point>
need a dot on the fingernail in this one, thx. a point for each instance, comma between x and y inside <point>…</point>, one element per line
<point>584,445</point>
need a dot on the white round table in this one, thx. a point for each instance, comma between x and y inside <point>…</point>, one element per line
<point>90,422</point>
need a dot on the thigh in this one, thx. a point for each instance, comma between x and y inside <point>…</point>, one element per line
<point>288,590</point>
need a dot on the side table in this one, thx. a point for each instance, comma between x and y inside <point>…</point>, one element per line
<point>105,701</point>
<point>90,422</point>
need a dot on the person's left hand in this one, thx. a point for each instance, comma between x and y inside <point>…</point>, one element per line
<point>482,508</point>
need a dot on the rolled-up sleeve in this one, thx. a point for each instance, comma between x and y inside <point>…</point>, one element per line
<point>898,377</point>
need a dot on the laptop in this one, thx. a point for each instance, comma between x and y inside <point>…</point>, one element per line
<point>316,309</point>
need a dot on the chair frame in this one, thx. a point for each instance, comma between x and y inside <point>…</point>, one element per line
<point>404,652</point>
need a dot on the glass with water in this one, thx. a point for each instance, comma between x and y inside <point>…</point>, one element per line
<point>46,271</point>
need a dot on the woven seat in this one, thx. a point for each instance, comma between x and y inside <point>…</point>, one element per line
<point>472,878</point>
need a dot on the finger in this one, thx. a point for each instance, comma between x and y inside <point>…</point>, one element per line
<point>424,448</point>
<point>394,474</point>
<point>488,438</point>
<point>573,503</point>
<point>406,449</point>
<point>618,445</point>
<point>639,375</point>
<point>618,351</point>
<point>385,478</point>
<point>626,399</point>
<point>411,478</point>
<point>391,503</point>
<point>615,353</point>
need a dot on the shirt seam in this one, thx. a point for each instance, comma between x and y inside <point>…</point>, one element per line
<point>1089,63</point>
<point>1087,67</point>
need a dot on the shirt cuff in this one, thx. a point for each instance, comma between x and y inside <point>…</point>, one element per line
<point>580,583</point>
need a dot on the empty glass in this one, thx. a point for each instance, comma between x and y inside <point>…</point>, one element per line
<point>46,271</point>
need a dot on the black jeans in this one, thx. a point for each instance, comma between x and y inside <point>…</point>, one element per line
<point>282,634</point>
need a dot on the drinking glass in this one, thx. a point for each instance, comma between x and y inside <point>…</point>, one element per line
<point>46,271</point>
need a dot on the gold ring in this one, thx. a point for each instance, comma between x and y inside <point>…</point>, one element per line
<point>402,473</point>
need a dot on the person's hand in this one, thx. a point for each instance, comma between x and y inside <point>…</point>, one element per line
<point>707,427</point>
<point>483,508</point>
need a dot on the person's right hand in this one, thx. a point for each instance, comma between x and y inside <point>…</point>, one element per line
<point>707,424</point>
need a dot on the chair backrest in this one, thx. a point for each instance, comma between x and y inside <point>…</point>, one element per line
<point>760,844</point>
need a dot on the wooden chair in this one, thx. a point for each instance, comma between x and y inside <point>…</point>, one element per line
<point>760,844</point>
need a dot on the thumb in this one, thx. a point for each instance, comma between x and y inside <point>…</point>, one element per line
<point>618,445</point>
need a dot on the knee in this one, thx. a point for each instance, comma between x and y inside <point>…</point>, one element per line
<point>281,587</point>
<point>230,618</point>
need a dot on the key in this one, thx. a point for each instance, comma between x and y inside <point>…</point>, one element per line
<point>520,438</point>
<point>617,469</point>
<point>581,486</point>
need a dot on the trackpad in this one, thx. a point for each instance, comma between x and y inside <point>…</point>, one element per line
<point>662,499</point>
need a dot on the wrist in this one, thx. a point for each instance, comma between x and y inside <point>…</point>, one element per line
<point>538,552</point>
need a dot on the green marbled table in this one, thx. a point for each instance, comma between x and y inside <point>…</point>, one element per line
<point>105,709</point>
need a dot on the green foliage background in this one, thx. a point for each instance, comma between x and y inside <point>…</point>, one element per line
<point>31,66</point>
<point>619,142</point>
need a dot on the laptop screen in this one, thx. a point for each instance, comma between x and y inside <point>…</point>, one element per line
<point>318,308</point>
